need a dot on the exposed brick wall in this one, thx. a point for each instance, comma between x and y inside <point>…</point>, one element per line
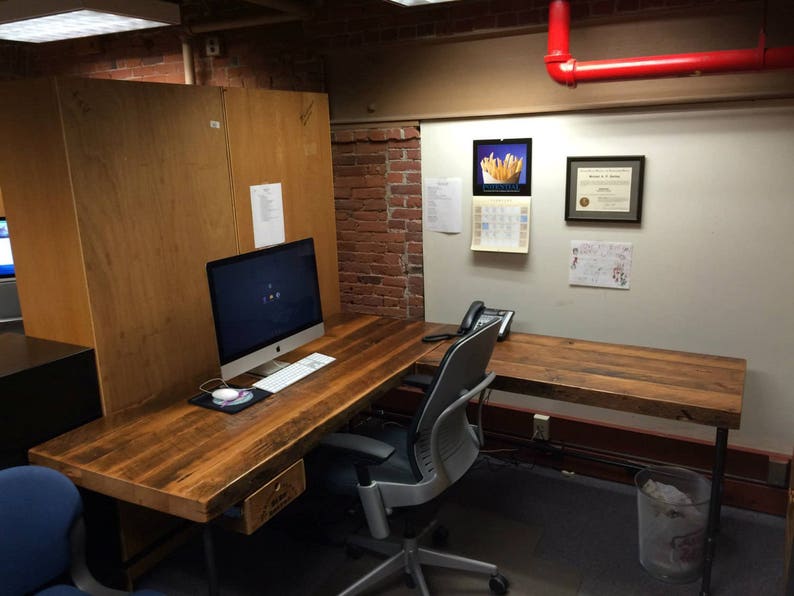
<point>378,193</point>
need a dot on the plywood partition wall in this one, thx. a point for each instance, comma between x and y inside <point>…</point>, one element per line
<point>37,194</point>
<point>119,197</point>
<point>284,137</point>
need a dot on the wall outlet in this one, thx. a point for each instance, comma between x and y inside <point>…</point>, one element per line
<point>212,45</point>
<point>540,427</point>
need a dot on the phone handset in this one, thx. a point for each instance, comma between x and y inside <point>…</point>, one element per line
<point>471,316</point>
<point>476,316</point>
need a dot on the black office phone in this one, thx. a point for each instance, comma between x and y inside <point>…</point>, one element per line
<point>476,316</point>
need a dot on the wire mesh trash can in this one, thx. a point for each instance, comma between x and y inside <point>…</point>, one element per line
<point>672,507</point>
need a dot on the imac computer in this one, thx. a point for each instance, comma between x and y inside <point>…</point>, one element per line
<point>9,300</point>
<point>265,303</point>
<point>6,259</point>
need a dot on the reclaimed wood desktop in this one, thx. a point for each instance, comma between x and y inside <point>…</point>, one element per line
<point>196,463</point>
<point>696,388</point>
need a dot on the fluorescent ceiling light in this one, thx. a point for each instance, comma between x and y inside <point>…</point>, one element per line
<point>40,21</point>
<point>418,2</point>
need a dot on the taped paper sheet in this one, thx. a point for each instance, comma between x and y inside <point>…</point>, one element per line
<point>267,211</point>
<point>441,205</point>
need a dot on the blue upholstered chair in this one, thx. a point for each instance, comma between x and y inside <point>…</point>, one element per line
<point>42,536</point>
<point>390,467</point>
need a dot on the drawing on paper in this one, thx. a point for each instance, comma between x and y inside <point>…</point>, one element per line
<point>600,264</point>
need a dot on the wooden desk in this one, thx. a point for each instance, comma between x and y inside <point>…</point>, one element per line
<point>695,388</point>
<point>196,463</point>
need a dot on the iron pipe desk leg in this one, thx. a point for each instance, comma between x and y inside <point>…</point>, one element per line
<point>209,560</point>
<point>715,504</point>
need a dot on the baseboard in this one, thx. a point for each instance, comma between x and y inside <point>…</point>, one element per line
<point>613,453</point>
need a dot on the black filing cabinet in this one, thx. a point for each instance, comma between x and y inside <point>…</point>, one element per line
<point>46,389</point>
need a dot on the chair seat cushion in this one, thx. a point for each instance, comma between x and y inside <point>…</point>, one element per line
<point>339,474</point>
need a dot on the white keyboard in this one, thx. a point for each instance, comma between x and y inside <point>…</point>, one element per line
<point>293,372</point>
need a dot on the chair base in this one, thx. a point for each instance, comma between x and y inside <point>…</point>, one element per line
<point>409,556</point>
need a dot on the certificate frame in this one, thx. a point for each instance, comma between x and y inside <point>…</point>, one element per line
<point>520,149</point>
<point>618,199</point>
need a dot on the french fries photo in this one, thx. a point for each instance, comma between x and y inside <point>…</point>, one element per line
<point>504,171</point>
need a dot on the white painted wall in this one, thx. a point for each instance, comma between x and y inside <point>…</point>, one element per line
<point>713,267</point>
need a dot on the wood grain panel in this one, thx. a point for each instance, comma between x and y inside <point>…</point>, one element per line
<point>37,194</point>
<point>282,136</point>
<point>697,388</point>
<point>195,463</point>
<point>153,205</point>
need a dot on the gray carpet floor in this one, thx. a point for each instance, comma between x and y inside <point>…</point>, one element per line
<point>551,534</point>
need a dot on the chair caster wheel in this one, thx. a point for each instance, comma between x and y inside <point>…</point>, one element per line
<point>498,584</point>
<point>440,537</point>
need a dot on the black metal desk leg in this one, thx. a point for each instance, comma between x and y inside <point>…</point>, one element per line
<point>715,504</point>
<point>209,559</point>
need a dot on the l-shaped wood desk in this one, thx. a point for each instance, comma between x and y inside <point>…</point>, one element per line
<point>197,463</point>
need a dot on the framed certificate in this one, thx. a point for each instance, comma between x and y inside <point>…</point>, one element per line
<point>604,188</point>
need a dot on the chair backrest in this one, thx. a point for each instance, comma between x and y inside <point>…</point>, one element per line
<point>462,369</point>
<point>38,506</point>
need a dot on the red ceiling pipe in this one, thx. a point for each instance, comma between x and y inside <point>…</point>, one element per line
<point>568,71</point>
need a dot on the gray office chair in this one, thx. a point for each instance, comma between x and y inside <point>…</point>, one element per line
<point>399,467</point>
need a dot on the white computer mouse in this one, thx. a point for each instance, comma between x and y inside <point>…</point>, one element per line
<point>225,394</point>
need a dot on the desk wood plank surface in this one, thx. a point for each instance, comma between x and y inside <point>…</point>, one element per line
<point>195,463</point>
<point>698,388</point>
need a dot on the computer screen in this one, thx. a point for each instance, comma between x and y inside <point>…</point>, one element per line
<point>6,259</point>
<point>265,303</point>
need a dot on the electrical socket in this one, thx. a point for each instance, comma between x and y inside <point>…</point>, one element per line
<point>212,45</point>
<point>540,427</point>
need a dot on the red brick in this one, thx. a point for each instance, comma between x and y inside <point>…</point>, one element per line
<point>398,177</point>
<point>406,189</point>
<point>371,226</point>
<point>375,204</point>
<point>369,216</point>
<point>407,144</point>
<point>368,193</point>
<point>414,214</point>
<point>390,270</point>
<point>406,166</point>
<point>398,282</point>
<point>374,158</point>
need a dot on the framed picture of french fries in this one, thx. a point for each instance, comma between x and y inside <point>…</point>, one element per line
<point>502,167</point>
<point>604,188</point>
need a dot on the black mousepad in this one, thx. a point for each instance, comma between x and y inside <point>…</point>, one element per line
<point>205,401</point>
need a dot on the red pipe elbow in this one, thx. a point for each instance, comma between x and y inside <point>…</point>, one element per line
<point>566,70</point>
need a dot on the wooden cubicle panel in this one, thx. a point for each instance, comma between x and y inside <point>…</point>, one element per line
<point>151,195</point>
<point>284,136</point>
<point>119,194</point>
<point>34,176</point>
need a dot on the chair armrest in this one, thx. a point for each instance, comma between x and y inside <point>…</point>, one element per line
<point>420,381</point>
<point>359,447</point>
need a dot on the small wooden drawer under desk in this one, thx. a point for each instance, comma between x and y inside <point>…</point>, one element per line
<point>253,512</point>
